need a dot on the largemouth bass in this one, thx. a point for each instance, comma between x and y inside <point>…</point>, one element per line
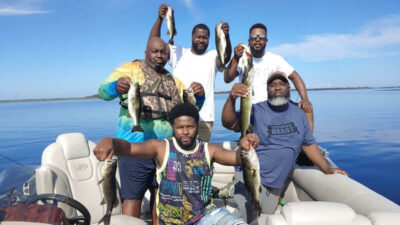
<point>246,62</point>
<point>109,185</point>
<point>134,106</point>
<point>220,43</point>
<point>251,177</point>
<point>188,96</point>
<point>169,19</point>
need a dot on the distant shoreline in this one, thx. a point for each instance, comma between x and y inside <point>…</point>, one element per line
<point>217,93</point>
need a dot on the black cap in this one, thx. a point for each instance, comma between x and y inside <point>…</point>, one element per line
<point>277,75</point>
<point>183,109</point>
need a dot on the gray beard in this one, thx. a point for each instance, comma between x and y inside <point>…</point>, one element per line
<point>278,101</point>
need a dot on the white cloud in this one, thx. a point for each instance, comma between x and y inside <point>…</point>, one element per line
<point>373,40</point>
<point>21,7</point>
<point>188,3</point>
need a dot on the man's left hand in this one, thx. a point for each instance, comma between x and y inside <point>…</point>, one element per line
<point>250,141</point>
<point>225,28</point>
<point>336,171</point>
<point>305,105</point>
<point>197,88</point>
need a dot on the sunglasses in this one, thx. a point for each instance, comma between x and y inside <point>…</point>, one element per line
<point>255,36</point>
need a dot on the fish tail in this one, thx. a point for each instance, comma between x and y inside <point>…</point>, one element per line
<point>255,206</point>
<point>171,41</point>
<point>105,220</point>
<point>137,128</point>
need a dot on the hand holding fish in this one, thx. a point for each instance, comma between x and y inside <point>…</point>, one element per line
<point>239,49</point>
<point>104,149</point>
<point>197,88</point>
<point>162,11</point>
<point>123,85</point>
<point>239,90</point>
<point>248,142</point>
<point>225,28</point>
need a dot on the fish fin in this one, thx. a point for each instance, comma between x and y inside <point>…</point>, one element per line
<point>116,202</point>
<point>102,179</point>
<point>103,201</point>
<point>260,189</point>
<point>250,128</point>
<point>254,172</point>
<point>175,32</point>
<point>137,128</point>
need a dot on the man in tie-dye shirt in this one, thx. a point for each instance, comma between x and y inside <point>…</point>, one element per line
<point>160,91</point>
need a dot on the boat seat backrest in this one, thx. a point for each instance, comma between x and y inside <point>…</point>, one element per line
<point>317,213</point>
<point>75,172</point>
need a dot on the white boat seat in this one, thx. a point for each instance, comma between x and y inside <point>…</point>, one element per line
<point>317,213</point>
<point>339,188</point>
<point>70,168</point>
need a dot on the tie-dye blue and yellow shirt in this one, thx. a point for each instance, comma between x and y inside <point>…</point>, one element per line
<point>153,128</point>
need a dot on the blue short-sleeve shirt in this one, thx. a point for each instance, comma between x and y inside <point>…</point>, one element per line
<point>281,134</point>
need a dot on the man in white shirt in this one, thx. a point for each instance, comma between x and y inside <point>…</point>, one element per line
<point>265,63</point>
<point>196,64</point>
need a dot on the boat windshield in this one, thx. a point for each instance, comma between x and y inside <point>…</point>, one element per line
<point>16,184</point>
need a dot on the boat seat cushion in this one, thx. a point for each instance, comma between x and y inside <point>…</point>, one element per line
<point>317,213</point>
<point>385,218</point>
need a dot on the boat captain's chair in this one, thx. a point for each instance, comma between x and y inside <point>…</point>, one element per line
<point>70,168</point>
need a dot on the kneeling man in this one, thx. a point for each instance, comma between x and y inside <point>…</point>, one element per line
<point>183,169</point>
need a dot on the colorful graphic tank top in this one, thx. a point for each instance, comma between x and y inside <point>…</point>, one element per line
<point>184,184</point>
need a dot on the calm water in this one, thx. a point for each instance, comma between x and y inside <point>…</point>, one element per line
<point>360,128</point>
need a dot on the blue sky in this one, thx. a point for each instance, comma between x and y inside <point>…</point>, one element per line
<point>59,48</point>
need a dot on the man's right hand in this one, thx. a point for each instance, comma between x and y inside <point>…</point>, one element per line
<point>238,51</point>
<point>239,90</point>
<point>248,142</point>
<point>162,11</point>
<point>123,85</point>
<point>104,149</point>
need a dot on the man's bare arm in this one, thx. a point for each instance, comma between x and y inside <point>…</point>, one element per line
<point>230,73</point>
<point>155,31</point>
<point>229,119</point>
<point>107,147</point>
<point>314,154</point>
<point>231,157</point>
<point>304,104</point>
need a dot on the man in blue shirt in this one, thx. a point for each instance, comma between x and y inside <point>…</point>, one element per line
<point>283,131</point>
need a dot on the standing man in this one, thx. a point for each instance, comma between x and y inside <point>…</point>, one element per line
<point>283,131</point>
<point>265,63</point>
<point>159,92</point>
<point>197,65</point>
<point>183,169</point>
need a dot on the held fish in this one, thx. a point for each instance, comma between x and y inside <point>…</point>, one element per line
<point>134,106</point>
<point>251,176</point>
<point>170,25</point>
<point>246,62</point>
<point>109,186</point>
<point>220,42</point>
<point>188,96</point>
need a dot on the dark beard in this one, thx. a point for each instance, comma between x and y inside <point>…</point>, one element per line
<point>157,67</point>
<point>257,53</point>
<point>198,51</point>
<point>189,146</point>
